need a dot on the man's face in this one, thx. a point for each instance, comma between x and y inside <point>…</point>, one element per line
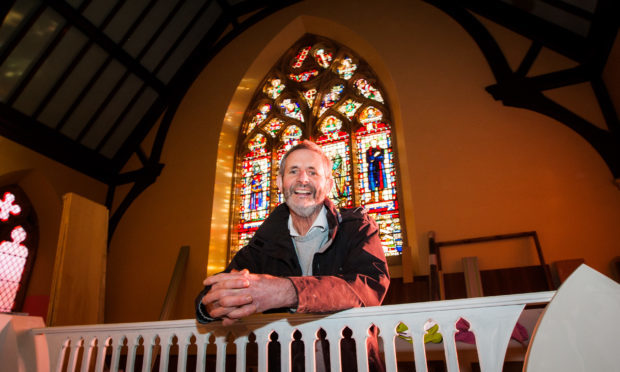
<point>303,183</point>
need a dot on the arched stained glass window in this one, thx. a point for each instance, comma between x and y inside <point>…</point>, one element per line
<point>18,241</point>
<point>322,91</point>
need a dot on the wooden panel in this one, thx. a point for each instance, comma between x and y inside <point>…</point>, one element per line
<point>514,280</point>
<point>563,268</point>
<point>78,284</point>
<point>499,282</point>
<point>400,292</point>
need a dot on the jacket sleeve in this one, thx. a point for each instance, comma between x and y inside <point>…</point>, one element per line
<point>361,280</point>
<point>242,260</point>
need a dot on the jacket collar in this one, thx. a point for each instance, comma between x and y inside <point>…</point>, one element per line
<point>273,237</point>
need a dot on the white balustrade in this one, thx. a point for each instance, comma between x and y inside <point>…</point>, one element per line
<point>492,320</point>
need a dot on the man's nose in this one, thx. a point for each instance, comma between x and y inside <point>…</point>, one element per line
<point>303,177</point>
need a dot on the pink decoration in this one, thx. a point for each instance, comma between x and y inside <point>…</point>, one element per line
<point>7,207</point>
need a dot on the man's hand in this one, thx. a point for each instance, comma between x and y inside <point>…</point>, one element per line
<point>239,294</point>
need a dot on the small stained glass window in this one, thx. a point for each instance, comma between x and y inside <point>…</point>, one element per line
<point>349,107</point>
<point>292,109</point>
<point>273,88</point>
<point>346,68</point>
<point>18,240</point>
<point>259,117</point>
<point>323,57</point>
<point>310,95</point>
<point>331,97</point>
<point>367,90</point>
<point>316,97</point>
<point>274,126</point>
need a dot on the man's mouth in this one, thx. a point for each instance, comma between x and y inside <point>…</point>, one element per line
<point>302,192</point>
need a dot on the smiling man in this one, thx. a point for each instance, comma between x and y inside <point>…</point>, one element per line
<point>307,256</point>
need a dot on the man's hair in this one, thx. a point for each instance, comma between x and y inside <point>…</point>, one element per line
<point>308,145</point>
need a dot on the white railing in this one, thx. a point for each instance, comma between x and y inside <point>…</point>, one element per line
<point>99,347</point>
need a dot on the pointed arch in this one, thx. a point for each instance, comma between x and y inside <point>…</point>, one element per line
<point>267,56</point>
<point>320,90</point>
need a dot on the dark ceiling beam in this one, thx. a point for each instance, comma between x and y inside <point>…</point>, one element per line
<point>117,86</point>
<point>19,34</point>
<point>5,8</point>
<point>516,90</point>
<point>532,53</point>
<point>570,8</point>
<point>534,28</point>
<point>24,130</point>
<point>158,107</point>
<point>210,45</point>
<point>32,71</point>
<point>188,27</point>
<point>603,33</point>
<point>101,39</point>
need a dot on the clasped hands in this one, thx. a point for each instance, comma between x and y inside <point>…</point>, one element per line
<point>238,294</point>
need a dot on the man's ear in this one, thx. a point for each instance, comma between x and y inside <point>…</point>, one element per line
<point>279,182</point>
<point>330,185</point>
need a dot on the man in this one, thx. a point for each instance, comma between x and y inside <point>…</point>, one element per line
<point>306,256</point>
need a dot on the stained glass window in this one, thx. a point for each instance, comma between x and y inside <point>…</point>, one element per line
<point>18,240</point>
<point>322,91</point>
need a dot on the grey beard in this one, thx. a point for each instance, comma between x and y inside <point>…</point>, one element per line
<point>303,211</point>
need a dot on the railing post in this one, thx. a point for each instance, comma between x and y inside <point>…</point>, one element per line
<point>202,340</point>
<point>334,334</point>
<point>149,343</point>
<point>132,347</point>
<point>262,340</point>
<point>165,341</point>
<point>220,361</point>
<point>286,339</point>
<point>242,345</point>
<point>88,354</point>
<point>102,345</point>
<point>183,342</point>
<point>117,348</point>
<point>74,350</point>
<point>387,328</point>
<point>360,335</point>
<point>309,338</point>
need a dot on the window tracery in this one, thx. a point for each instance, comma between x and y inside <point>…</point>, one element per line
<point>322,91</point>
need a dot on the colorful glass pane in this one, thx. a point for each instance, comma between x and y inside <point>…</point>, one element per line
<point>299,59</point>
<point>331,97</point>
<point>13,255</point>
<point>323,57</point>
<point>330,124</point>
<point>7,206</point>
<point>259,117</point>
<point>349,107</point>
<point>291,136</point>
<point>273,88</point>
<point>363,167</point>
<point>346,68</point>
<point>274,126</point>
<point>254,191</point>
<point>370,115</point>
<point>377,183</point>
<point>310,95</point>
<point>291,109</point>
<point>304,76</point>
<point>367,90</point>
<point>258,142</point>
<point>336,147</point>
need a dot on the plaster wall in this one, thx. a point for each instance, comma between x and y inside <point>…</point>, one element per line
<point>470,166</point>
<point>45,182</point>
